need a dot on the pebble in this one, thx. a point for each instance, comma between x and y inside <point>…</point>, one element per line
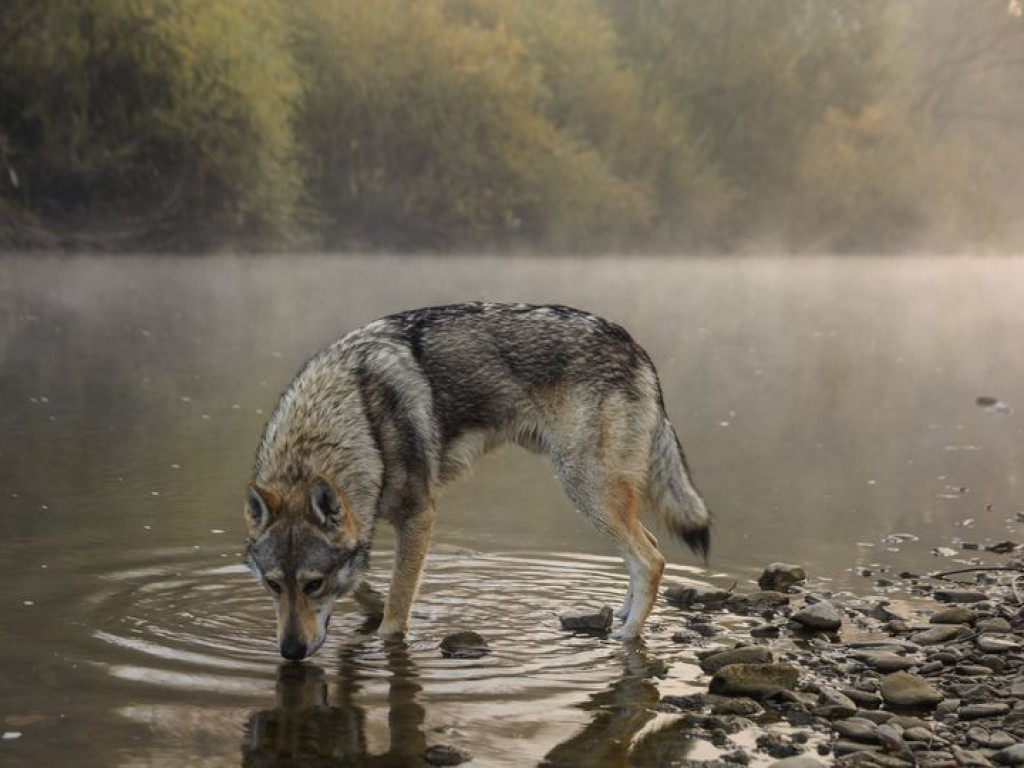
<point>832,704</point>
<point>981,711</point>
<point>907,691</point>
<point>857,729</point>
<point>863,699</point>
<point>994,624</point>
<point>1010,756</point>
<point>751,654</point>
<point>995,644</point>
<point>822,615</point>
<point>958,596</point>
<point>886,661</point>
<point>941,633</point>
<point>754,680</point>
<point>593,623</point>
<point>955,615</point>
<point>445,754</point>
<point>778,577</point>
<point>464,645</point>
<point>741,706</point>
<point>685,595</point>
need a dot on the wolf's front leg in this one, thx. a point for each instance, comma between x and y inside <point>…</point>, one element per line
<point>412,537</point>
<point>370,600</point>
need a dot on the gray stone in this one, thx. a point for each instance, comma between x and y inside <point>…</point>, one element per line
<point>764,598</point>
<point>834,705</point>
<point>822,615</point>
<point>751,654</point>
<point>464,645</point>
<point>885,661</point>
<point>685,595</point>
<point>1010,756</point>
<point>741,706</point>
<point>754,680</point>
<point>1017,687</point>
<point>906,691</point>
<point>995,644</point>
<point>982,711</point>
<point>445,754</point>
<point>857,729</point>
<point>778,577</point>
<point>959,596</point>
<point>878,716</point>
<point>800,761</point>
<point>941,633</point>
<point>1001,740</point>
<point>995,624</point>
<point>863,699</point>
<point>955,615</point>
<point>593,623</point>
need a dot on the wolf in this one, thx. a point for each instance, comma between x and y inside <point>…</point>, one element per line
<point>376,424</point>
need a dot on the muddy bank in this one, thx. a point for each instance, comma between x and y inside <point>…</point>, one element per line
<point>936,680</point>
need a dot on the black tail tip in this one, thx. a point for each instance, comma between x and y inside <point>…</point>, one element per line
<point>699,540</point>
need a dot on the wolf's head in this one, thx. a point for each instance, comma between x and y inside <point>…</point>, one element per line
<point>305,550</point>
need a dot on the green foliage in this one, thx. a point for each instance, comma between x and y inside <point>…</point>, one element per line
<point>846,125</point>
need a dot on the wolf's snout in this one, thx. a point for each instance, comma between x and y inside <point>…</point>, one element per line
<point>293,650</point>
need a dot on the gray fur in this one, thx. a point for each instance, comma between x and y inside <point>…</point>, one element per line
<point>393,411</point>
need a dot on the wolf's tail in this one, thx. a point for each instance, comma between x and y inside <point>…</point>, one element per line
<point>671,493</point>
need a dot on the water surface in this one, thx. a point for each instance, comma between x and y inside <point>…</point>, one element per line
<point>825,406</point>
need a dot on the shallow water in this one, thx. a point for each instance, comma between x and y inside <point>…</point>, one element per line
<point>825,405</point>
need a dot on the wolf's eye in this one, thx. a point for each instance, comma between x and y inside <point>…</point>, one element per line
<point>313,586</point>
<point>274,587</point>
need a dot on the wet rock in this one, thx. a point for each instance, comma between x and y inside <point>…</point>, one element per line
<point>1010,756</point>
<point>822,615</point>
<point>996,624</point>
<point>751,654</point>
<point>996,663</point>
<point>1002,548</point>
<point>591,623</point>
<point>779,577</point>
<point>954,615</point>
<point>687,636</point>
<point>464,645</point>
<point>877,716</point>
<point>958,596</point>
<point>754,680</point>
<point>686,595</point>
<point>445,754</point>
<point>833,705</point>
<point>741,706</point>
<point>863,699</point>
<point>886,661</point>
<point>982,711</point>
<point>759,600</point>
<point>995,644</point>
<point>1017,688</point>
<point>777,746</point>
<point>941,633</point>
<point>798,761</point>
<point>904,690</point>
<point>765,631</point>
<point>857,729</point>
<point>973,670</point>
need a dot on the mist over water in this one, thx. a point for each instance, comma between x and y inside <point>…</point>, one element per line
<point>824,405</point>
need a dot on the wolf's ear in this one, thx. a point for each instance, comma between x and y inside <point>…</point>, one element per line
<point>260,506</point>
<point>330,510</point>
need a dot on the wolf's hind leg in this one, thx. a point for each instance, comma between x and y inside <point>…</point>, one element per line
<point>412,536</point>
<point>623,610</point>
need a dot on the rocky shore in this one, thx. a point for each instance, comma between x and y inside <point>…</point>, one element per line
<point>823,679</point>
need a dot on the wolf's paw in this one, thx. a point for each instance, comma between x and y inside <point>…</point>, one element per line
<point>625,633</point>
<point>623,612</point>
<point>391,629</point>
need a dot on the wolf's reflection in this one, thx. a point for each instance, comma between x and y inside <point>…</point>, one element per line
<point>621,712</point>
<point>313,726</point>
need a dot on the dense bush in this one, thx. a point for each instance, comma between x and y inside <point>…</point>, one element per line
<point>843,125</point>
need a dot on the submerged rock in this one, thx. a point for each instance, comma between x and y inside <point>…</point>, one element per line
<point>445,754</point>
<point>778,577</point>
<point>593,623</point>
<point>907,691</point>
<point>959,596</point>
<point>754,680</point>
<point>464,645</point>
<point>822,615</point>
<point>750,654</point>
<point>685,595</point>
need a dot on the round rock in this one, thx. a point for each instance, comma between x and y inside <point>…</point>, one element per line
<point>751,654</point>
<point>822,615</point>
<point>906,691</point>
<point>754,680</point>
<point>941,633</point>
<point>955,615</point>
<point>778,577</point>
<point>464,645</point>
<point>445,754</point>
